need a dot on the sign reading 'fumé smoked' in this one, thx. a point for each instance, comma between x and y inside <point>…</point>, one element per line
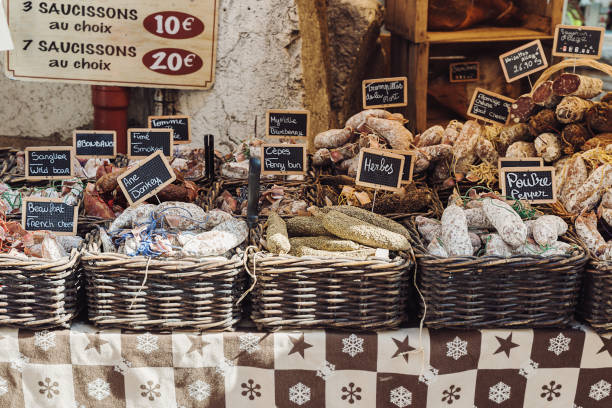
<point>147,43</point>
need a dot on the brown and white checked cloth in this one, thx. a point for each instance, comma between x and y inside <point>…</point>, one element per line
<point>489,368</point>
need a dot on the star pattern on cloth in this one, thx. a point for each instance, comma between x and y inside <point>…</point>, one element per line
<point>607,345</point>
<point>197,344</point>
<point>95,342</point>
<point>505,345</point>
<point>299,345</point>
<point>403,347</point>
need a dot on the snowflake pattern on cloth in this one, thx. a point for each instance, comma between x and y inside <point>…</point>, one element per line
<point>199,390</point>
<point>20,362</point>
<point>559,344</point>
<point>224,366</point>
<point>98,389</point>
<point>326,371</point>
<point>45,340</point>
<point>249,343</point>
<point>123,366</point>
<point>147,343</point>
<point>400,397</point>
<point>429,376</point>
<point>456,348</point>
<point>499,393</point>
<point>352,345</point>
<point>3,386</point>
<point>529,368</point>
<point>299,394</point>
<point>600,390</point>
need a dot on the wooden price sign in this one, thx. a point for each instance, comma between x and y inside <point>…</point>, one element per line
<point>145,43</point>
<point>531,184</point>
<point>287,123</point>
<point>48,163</point>
<point>283,159</point>
<point>385,92</point>
<point>95,143</point>
<point>144,142</point>
<point>583,42</point>
<point>181,125</point>
<point>380,169</point>
<point>49,214</point>
<point>409,159</point>
<point>523,61</point>
<point>504,162</point>
<point>464,72</point>
<point>146,179</point>
<point>490,107</point>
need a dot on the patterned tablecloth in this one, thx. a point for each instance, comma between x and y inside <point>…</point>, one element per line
<point>491,368</point>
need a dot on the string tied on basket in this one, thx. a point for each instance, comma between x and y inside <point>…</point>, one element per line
<point>253,275</point>
<point>144,281</point>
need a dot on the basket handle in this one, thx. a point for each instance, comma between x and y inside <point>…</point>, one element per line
<point>570,63</point>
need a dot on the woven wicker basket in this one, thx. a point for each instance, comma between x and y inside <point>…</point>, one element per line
<point>494,292</point>
<point>39,294</point>
<point>596,297</point>
<point>142,293</point>
<point>314,292</point>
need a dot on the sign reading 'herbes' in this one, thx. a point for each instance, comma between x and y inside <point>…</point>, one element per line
<point>146,179</point>
<point>95,143</point>
<point>385,92</point>
<point>380,169</point>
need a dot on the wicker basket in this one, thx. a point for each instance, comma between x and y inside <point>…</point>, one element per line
<point>596,298</point>
<point>494,292</point>
<point>142,293</point>
<point>314,292</point>
<point>39,294</point>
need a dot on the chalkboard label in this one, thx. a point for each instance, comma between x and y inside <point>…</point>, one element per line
<point>504,162</point>
<point>385,92</point>
<point>287,123</point>
<point>49,214</point>
<point>490,106</point>
<point>180,124</point>
<point>531,184</point>
<point>146,179</point>
<point>464,71</point>
<point>523,61</point>
<point>48,163</point>
<point>409,159</point>
<point>573,41</point>
<point>380,169</point>
<point>95,143</point>
<point>144,142</point>
<point>283,159</point>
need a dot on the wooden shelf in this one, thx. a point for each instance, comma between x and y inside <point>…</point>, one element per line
<point>486,34</point>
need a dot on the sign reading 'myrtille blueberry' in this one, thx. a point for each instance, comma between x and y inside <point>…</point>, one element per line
<point>289,124</point>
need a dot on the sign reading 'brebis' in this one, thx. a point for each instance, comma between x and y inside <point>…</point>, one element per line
<point>145,43</point>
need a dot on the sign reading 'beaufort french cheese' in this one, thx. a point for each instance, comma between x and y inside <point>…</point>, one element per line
<point>145,43</point>
<point>146,179</point>
<point>49,214</point>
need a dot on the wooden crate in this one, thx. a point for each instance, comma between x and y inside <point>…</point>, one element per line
<point>408,18</point>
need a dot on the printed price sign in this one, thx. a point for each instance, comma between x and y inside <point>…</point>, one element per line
<point>464,71</point>
<point>145,43</point>
<point>49,214</point>
<point>490,107</point>
<point>531,184</point>
<point>181,125</point>
<point>583,42</point>
<point>523,61</point>
<point>144,142</point>
<point>48,163</point>
<point>146,179</point>
<point>287,123</point>
<point>6,43</point>
<point>95,143</point>
<point>514,162</point>
<point>284,159</point>
<point>380,169</point>
<point>409,159</point>
<point>385,92</point>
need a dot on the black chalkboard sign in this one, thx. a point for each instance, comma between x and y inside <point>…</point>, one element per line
<point>464,71</point>
<point>573,41</point>
<point>146,179</point>
<point>287,123</point>
<point>531,184</point>
<point>523,61</point>
<point>409,159</point>
<point>144,142</point>
<point>180,124</point>
<point>283,159</point>
<point>49,214</point>
<point>95,143</point>
<point>490,106</point>
<point>385,92</point>
<point>48,163</point>
<point>503,162</point>
<point>380,169</point>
